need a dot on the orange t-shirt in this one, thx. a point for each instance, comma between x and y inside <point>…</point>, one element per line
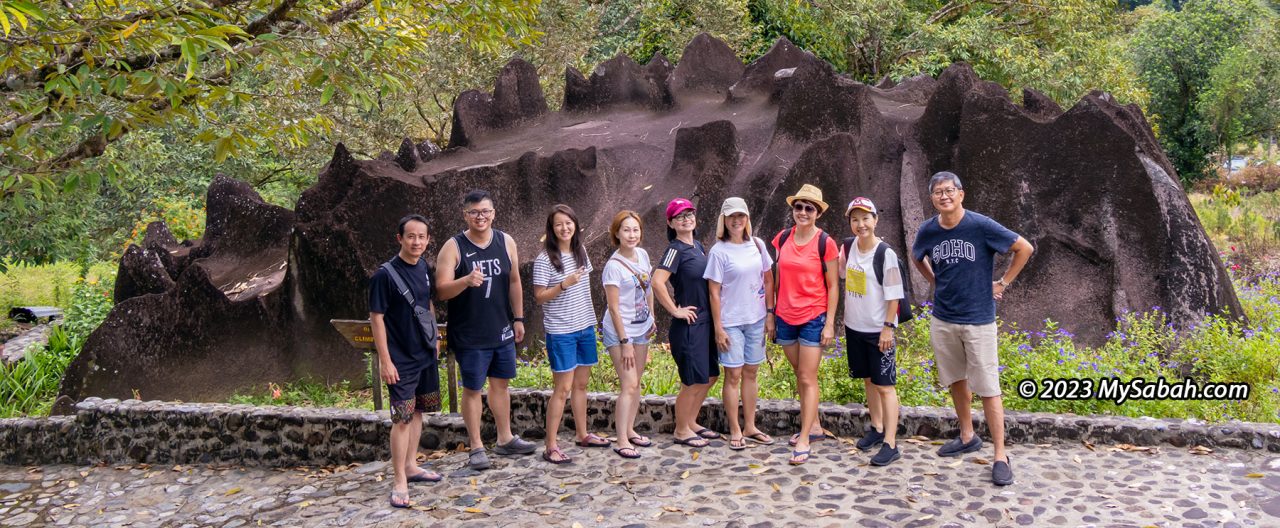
<point>802,294</point>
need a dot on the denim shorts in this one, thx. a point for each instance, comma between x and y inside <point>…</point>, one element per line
<point>808,334</point>
<point>611,340</point>
<point>569,351</point>
<point>746,345</point>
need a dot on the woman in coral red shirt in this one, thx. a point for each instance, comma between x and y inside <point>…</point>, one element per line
<point>804,319</point>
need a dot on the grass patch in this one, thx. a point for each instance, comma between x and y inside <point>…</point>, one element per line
<point>28,387</point>
<point>48,284</point>
<point>1243,225</point>
<point>1145,345</point>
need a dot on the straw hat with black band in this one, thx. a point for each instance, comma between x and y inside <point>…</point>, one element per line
<point>811,194</point>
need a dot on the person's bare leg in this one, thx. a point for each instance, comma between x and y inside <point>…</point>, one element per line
<point>887,400</point>
<point>807,382</point>
<point>400,434</point>
<point>500,406</point>
<point>873,405</point>
<point>642,360</point>
<point>960,399</point>
<point>578,400</point>
<point>472,413</point>
<point>700,397</point>
<point>684,411</point>
<point>563,384</point>
<point>993,409</point>
<point>750,395</point>
<point>624,408</point>
<point>411,444</point>
<point>730,392</point>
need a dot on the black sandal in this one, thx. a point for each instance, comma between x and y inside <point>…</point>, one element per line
<point>626,452</point>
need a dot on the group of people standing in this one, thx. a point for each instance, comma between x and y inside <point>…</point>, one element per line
<point>724,303</point>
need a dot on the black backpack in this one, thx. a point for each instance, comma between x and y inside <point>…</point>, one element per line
<point>905,313</point>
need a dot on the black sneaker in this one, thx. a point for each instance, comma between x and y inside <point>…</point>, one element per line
<point>955,447</point>
<point>870,440</point>
<point>1001,473</point>
<point>885,456</point>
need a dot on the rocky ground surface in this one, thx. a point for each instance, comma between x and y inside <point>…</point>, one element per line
<point>1057,485</point>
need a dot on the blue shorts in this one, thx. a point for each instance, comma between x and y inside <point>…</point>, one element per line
<point>611,340</point>
<point>477,364</point>
<point>746,345</point>
<point>569,351</point>
<point>808,334</point>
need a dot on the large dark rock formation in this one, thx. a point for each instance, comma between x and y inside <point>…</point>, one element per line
<point>1088,186</point>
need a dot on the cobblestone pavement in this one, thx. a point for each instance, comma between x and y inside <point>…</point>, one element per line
<point>1058,485</point>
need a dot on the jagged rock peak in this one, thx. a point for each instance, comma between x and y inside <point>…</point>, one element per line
<point>708,66</point>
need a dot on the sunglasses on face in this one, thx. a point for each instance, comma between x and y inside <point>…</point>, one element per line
<point>802,207</point>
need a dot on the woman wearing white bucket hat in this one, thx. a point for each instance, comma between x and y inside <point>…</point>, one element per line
<point>739,282</point>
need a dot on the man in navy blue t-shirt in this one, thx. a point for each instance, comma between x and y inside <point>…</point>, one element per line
<point>406,362</point>
<point>960,248</point>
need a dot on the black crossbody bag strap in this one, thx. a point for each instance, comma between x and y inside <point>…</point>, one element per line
<point>426,321</point>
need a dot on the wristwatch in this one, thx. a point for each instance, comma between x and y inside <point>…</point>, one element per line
<point>518,320</point>
<point>1002,282</point>
<point>624,341</point>
<point>890,325</point>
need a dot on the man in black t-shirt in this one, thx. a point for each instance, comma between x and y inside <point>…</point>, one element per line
<point>406,361</point>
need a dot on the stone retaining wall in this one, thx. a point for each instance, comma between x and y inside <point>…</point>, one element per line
<point>111,431</point>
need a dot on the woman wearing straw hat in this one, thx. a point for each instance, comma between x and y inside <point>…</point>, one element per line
<point>804,320</point>
<point>683,264</point>
<point>738,280</point>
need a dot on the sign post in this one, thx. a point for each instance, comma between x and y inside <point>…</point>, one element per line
<point>359,332</point>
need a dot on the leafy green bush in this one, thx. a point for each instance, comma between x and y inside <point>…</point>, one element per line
<point>28,387</point>
<point>1145,345</point>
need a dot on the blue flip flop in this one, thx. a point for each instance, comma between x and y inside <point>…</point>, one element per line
<point>404,498</point>
<point>690,441</point>
<point>795,454</point>
<point>425,476</point>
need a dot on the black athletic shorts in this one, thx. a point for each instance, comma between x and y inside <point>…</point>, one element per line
<point>694,350</point>
<point>867,361</point>
<point>417,391</point>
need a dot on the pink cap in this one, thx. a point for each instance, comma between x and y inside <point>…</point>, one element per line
<point>677,206</point>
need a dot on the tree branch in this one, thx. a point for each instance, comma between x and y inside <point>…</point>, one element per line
<point>96,144</point>
<point>74,55</point>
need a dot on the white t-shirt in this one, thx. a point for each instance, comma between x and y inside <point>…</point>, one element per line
<point>864,298</point>
<point>739,268</point>
<point>633,301</point>
<point>571,310</point>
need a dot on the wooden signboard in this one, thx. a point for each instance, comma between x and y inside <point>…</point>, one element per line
<point>359,332</point>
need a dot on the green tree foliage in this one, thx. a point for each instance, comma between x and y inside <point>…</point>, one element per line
<point>281,112</point>
<point>640,29</point>
<point>1212,71</point>
<point>1063,48</point>
<point>78,78</point>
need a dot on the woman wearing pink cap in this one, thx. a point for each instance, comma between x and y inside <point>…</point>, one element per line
<point>683,264</point>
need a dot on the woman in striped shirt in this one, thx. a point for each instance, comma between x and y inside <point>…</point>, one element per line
<point>562,285</point>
